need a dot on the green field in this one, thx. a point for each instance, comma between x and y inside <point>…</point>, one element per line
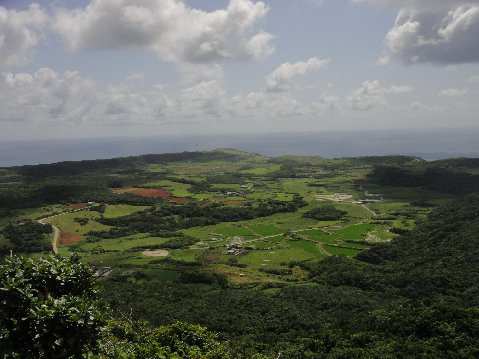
<point>234,231</point>
<point>67,222</point>
<point>355,232</point>
<point>266,230</point>
<point>341,251</point>
<point>307,247</point>
<point>120,210</point>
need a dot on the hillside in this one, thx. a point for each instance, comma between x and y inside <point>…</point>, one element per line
<point>314,258</point>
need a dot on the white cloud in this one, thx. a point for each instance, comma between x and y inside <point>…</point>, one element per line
<point>327,102</point>
<point>201,102</point>
<point>474,78</point>
<point>194,73</point>
<point>420,107</point>
<point>19,33</point>
<point>433,31</point>
<point>423,5</point>
<point>174,31</point>
<point>371,94</point>
<point>453,92</point>
<point>47,96</point>
<point>279,80</point>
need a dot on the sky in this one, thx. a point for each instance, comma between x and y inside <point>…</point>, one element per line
<point>96,68</point>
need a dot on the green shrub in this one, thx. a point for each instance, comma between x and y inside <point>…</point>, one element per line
<point>48,308</point>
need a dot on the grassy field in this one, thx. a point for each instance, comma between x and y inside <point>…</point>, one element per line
<point>308,247</point>
<point>341,251</point>
<point>276,239</point>
<point>234,231</point>
<point>67,222</point>
<point>264,258</point>
<point>266,230</point>
<point>120,210</point>
<point>261,170</point>
<point>355,232</point>
<point>127,243</point>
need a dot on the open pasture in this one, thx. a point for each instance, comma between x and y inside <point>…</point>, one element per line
<point>308,247</point>
<point>355,232</point>
<point>265,245</point>
<point>276,239</point>
<point>128,243</point>
<point>263,258</point>
<point>266,230</point>
<point>261,170</point>
<point>338,251</point>
<point>235,231</point>
<point>120,210</point>
<point>67,222</point>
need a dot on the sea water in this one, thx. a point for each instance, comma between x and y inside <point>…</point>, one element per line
<point>428,144</point>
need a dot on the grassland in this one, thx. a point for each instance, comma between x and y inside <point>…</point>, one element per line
<point>120,210</point>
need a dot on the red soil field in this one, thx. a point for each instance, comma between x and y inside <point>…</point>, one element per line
<point>76,206</point>
<point>67,238</point>
<point>152,192</point>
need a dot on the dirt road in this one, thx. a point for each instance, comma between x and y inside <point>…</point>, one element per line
<point>55,237</point>
<point>369,210</point>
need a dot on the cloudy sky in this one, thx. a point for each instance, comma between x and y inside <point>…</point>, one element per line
<point>95,68</point>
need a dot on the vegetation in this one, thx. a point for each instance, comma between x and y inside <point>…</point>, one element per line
<point>325,213</point>
<point>28,236</point>
<point>48,309</point>
<point>296,257</point>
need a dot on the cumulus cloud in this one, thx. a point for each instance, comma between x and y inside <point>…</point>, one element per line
<point>280,79</point>
<point>195,73</point>
<point>174,31</point>
<point>417,106</point>
<point>422,5</point>
<point>327,102</point>
<point>201,102</point>
<point>433,31</point>
<point>436,36</point>
<point>371,94</point>
<point>453,92</point>
<point>48,96</point>
<point>19,33</point>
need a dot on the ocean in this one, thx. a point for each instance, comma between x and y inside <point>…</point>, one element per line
<point>428,144</point>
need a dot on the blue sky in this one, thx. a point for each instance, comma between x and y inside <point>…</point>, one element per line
<point>95,68</point>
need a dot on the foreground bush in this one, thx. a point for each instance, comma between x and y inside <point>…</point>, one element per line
<point>48,308</point>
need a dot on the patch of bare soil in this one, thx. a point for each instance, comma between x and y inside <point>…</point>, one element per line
<point>152,192</point>
<point>76,206</point>
<point>156,253</point>
<point>67,238</point>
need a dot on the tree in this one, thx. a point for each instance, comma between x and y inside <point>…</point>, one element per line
<point>48,308</point>
<point>325,213</point>
<point>138,340</point>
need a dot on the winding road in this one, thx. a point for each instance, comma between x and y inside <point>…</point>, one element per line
<point>56,235</point>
